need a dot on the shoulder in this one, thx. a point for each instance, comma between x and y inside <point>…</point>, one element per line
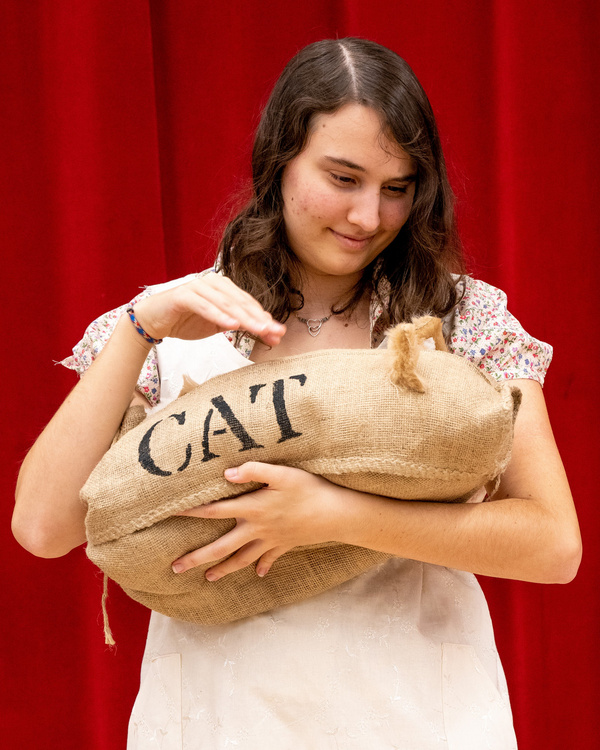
<point>483,330</point>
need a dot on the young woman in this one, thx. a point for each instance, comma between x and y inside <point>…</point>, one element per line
<point>350,229</point>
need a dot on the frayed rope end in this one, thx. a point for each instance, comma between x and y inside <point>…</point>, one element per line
<point>108,636</point>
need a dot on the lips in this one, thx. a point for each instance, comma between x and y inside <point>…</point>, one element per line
<point>352,241</point>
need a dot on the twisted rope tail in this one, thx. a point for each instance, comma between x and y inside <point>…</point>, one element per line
<point>108,636</point>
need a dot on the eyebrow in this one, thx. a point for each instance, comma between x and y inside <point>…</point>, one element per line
<point>351,165</point>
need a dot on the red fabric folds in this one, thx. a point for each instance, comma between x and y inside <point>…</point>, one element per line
<point>126,132</point>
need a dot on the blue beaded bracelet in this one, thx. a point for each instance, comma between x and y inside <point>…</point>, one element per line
<point>139,328</point>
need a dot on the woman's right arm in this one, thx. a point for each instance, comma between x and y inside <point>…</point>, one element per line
<point>48,519</point>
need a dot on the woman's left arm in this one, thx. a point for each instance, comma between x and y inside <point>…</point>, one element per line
<point>529,531</point>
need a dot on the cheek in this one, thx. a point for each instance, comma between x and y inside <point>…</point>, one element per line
<point>307,202</point>
<point>395,216</point>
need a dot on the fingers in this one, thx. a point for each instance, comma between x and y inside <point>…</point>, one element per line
<point>218,299</point>
<point>239,507</point>
<point>249,312</point>
<point>244,557</point>
<point>263,566</point>
<point>222,547</point>
<point>218,509</point>
<point>208,304</point>
<point>256,471</point>
<point>203,307</point>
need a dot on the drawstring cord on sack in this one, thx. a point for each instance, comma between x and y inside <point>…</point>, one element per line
<point>108,636</point>
<point>133,416</point>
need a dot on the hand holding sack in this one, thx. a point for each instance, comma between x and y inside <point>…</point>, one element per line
<point>403,422</point>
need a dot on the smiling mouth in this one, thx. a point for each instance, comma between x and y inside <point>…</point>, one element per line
<point>351,241</point>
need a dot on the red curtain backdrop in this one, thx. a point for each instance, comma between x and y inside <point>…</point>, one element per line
<point>126,134</point>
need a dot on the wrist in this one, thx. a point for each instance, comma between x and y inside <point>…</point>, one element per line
<point>361,517</point>
<point>337,506</point>
<point>131,313</point>
<point>128,334</point>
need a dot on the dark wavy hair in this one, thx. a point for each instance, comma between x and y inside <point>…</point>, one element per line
<point>418,264</point>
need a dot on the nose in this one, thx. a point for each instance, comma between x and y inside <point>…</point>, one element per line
<point>364,211</point>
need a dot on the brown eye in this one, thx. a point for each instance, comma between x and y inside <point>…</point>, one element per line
<point>342,179</point>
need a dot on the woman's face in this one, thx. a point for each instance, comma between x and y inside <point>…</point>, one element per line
<point>347,194</point>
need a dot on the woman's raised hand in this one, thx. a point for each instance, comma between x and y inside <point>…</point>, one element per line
<point>49,516</point>
<point>205,306</point>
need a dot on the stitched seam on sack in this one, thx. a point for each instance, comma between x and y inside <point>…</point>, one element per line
<point>323,466</point>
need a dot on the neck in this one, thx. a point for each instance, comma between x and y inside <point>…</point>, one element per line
<point>322,293</point>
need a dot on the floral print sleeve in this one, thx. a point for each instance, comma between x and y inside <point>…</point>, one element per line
<point>96,336</point>
<point>486,333</point>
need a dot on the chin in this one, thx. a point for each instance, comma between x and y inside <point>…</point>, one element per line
<point>337,263</point>
<point>343,271</point>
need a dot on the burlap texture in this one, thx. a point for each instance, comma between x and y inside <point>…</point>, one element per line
<point>439,432</point>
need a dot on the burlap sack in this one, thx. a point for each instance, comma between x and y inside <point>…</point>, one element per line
<point>403,422</point>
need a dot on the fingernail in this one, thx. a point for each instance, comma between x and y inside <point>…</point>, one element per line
<point>261,571</point>
<point>177,567</point>
<point>231,473</point>
<point>210,576</point>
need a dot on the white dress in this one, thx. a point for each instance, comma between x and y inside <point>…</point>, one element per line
<point>402,656</point>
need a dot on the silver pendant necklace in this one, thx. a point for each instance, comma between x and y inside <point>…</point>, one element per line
<point>313,324</point>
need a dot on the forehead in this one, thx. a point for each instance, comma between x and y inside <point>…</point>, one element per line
<point>353,130</point>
